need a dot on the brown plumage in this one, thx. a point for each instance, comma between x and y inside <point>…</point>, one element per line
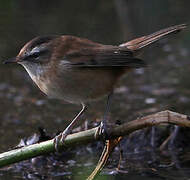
<point>79,70</point>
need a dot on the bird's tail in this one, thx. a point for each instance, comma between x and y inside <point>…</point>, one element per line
<point>139,43</point>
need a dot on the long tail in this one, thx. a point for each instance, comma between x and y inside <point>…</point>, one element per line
<point>144,41</point>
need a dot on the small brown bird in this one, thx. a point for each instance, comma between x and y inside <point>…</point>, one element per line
<point>78,70</point>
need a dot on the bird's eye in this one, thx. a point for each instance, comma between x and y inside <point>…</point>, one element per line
<point>31,56</point>
<point>35,55</point>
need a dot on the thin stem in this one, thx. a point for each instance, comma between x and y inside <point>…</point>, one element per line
<point>73,122</point>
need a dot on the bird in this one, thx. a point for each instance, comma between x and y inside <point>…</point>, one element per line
<point>79,70</point>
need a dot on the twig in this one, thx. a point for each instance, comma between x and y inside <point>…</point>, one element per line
<point>83,137</point>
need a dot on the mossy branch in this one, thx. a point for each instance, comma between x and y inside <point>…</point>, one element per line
<point>87,136</point>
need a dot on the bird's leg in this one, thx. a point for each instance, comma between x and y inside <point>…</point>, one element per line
<point>61,137</point>
<point>103,128</point>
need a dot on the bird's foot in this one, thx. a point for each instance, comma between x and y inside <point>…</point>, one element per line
<point>59,141</point>
<point>102,132</point>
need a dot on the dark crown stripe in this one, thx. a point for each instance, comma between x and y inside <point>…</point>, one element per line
<point>41,40</point>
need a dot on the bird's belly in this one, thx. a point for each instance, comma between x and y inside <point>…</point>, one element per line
<point>79,86</point>
<point>74,85</point>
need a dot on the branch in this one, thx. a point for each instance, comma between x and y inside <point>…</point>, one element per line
<point>163,117</point>
<point>83,137</point>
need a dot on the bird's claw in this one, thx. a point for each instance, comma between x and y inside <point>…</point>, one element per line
<point>101,132</point>
<point>59,141</point>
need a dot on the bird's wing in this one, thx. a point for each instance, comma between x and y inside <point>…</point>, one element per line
<point>106,56</point>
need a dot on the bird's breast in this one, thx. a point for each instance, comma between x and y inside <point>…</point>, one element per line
<point>73,85</point>
<point>37,73</point>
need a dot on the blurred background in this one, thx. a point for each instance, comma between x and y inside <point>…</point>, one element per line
<point>163,85</point>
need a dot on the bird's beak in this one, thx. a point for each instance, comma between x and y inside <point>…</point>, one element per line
<point>11,60</point>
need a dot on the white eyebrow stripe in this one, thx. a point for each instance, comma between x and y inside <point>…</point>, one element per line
<point>35,50</point>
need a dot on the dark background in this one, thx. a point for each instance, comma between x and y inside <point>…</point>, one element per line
<point>163,85</point>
